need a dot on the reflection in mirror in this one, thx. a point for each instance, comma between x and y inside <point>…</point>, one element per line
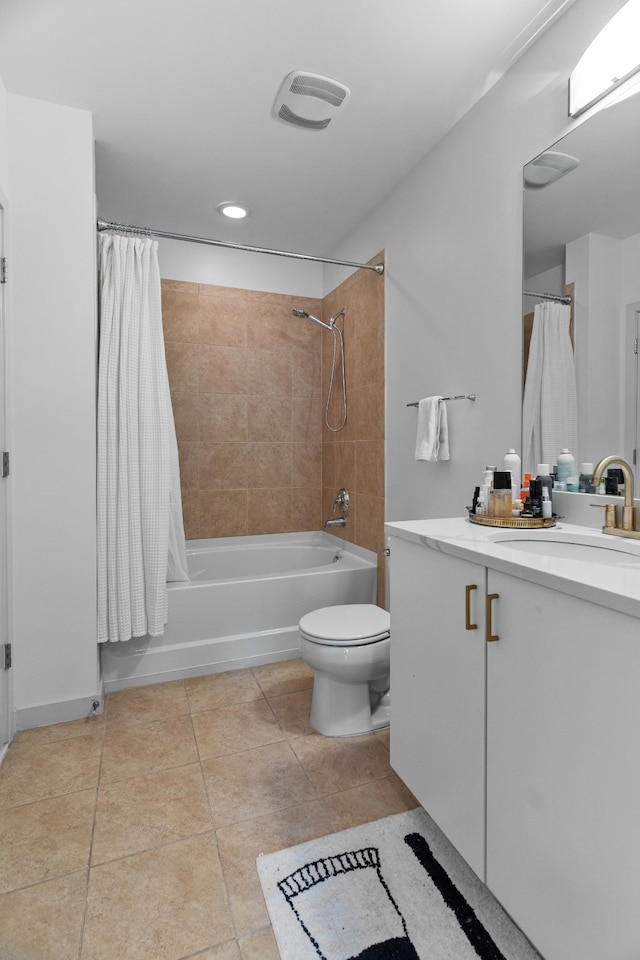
<point>584,230</point>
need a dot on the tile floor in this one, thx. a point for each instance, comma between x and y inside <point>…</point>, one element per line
<point>133,836</point>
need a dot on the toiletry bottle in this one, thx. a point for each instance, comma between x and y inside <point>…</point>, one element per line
<point>526,481</point>
<point>517,508</point>
<point>535,498</point>
<point>573,484</point>
<point>546,504</point>
<point>502,499</point>
<point>512,463</point>
<point>545,478</point>
<point>487,487</point>
<point>566,465</point>
<point>474,502</point>
<point>586,473</point>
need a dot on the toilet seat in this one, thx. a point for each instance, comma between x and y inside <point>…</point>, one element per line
<point>349,624</point>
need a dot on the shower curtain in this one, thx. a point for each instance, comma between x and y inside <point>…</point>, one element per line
<point>549,408</point>
<point>140,535</point>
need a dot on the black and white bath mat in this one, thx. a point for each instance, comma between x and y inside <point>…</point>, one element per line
<point>393,889</point>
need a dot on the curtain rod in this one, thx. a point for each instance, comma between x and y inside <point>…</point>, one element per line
<point>149,232</point>
<point>547,296</point>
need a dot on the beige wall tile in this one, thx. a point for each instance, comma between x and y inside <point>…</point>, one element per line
<point>269,465</point>
<point>222,321</point>
<point>223,293</point>
<point>186,416</point>
<point>268,372</point>
<point>269,418</point>
<point>189,456</point>
<point>222,466</point>
<point>183,367</point>
<point>306,371</point>
<point>269,511</point>
<point>222,417</point>
<point>222,369</point>
<point>306,508</point>
<point>371,522</point>
<point>368,411</point>
<point>369,479</point>
<point>306,465</point>
<point>306,418</point>
<point>223,514</point>
<point>345,465</point>
<point>180,311</point>
<point>369,362</point>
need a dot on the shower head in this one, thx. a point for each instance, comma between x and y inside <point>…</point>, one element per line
<point>309,316</point>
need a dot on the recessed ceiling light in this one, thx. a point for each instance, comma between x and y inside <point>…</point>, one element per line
<point>234,210</point>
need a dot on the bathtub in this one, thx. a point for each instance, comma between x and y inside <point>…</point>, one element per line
<point>242,605</point>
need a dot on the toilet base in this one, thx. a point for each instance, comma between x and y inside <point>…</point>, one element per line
<point>340,709</point>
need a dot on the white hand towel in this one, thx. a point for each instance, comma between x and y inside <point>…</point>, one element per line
<point>432,442</point>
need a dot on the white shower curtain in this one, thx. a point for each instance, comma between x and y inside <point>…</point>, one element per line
<point>139,507</point>
<point>549,408</point>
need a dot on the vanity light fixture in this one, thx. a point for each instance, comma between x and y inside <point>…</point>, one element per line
<point>610,60</point>
<point>234,210</point>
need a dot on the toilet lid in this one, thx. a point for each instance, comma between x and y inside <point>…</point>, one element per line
<point>349,623</point>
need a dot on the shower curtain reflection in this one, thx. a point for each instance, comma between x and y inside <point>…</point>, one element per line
<point>139,507</point>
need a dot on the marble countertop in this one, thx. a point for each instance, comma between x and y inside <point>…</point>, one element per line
<point>609,579</point>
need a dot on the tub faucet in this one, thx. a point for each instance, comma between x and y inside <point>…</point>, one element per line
<point>628,528</point>
<point>337,522</point>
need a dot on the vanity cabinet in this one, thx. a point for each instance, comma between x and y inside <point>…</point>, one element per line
<point>527,747</point>
<point>438,680</point>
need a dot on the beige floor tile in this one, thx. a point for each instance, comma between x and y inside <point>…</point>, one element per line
<point>164,904</point>
<point>255,782</point>
<point>222,690</point>
<point>371,801</point>
<point>224,951</point>
<point>86,727</point>
<point>292,710</point>
<point>145,812</point>
<point>136,749</point>
<point>337,763</point>
<point>231,729</point>
<point>240,844</point>
<point>384,736</point>
<point>144,704</point>
<point>43,922</point>
<point>45,839</point>
<point>260,946</point>
<point>35,772</point>
<point>286,676</point>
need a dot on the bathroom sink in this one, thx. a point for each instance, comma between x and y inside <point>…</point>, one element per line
<point>570,546</point>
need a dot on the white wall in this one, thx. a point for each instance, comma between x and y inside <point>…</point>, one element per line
<point>452,230</point>
<point>198,263</point>
<point>594,264</point>
<point>4,152</point>
<point>52,315</point>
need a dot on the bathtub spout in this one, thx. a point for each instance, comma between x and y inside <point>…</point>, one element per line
<point>338,522</point>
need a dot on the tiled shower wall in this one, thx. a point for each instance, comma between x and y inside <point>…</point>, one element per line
<point>248,386</point>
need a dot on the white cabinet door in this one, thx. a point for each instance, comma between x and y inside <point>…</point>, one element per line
<point>563,771</point>
<point>438,689</point>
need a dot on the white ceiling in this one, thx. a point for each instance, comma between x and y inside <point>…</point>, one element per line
<point>181,93</point>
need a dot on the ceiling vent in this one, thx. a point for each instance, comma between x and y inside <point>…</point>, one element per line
<point>309,100</point>
<point>548,167</point>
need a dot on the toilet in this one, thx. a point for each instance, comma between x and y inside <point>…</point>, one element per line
<point>348,648</point>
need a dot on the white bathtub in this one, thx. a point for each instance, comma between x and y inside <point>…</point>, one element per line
<point>242,605</point>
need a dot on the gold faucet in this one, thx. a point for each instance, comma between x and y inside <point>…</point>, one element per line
<point>628,528</point>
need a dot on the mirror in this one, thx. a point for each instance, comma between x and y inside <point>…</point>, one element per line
<point>584,229</point>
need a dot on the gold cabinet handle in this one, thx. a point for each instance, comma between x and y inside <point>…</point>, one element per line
<point>490,598</point>
<point>467,607</point>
